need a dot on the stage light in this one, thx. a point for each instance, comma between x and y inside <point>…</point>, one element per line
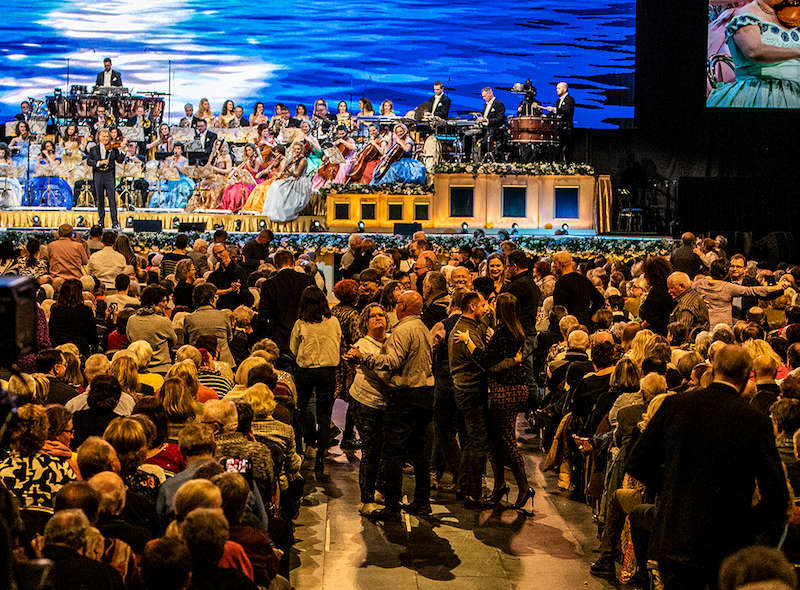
<point>176,221</point>
<point>237,225</point>
<point>81,221</point>
<point>515,229</point>
<point>262,224</point>
<point>464,227</point>
<point>129,221</point>
<point>316,227</point>
<point>361,226</point>
<point>36,221</point>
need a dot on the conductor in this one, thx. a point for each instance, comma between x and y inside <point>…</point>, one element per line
<point>103,160</point>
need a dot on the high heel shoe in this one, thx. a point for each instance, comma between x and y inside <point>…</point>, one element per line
<point>498,493</point>
<point>519,505</point>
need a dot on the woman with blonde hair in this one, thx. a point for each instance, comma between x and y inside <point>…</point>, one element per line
<point>177,402</point>
<point>129,440</point>
<point>242,374</point>
<point>126,370</point>
<point>638,345</point>
<point>42,388</point>
<point>204,112</point>
<point>72,370</point>
<point>144,353</point>
<point>185,368</point>
<point>756,348</point>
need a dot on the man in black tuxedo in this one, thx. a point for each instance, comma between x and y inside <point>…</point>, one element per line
<point>439,104</point>
<point>564,109</point>
<point>494,117</point>
<point>25,112</point>
<point>104,162</point>
<point>189,120</point>
<point>239,119</point>
<point>206,137</point>
<point>279,305</point>
<point>108,77</point>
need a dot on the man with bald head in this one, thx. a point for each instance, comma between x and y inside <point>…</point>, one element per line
<point>573,290</point>
<point>690,308</point>
<point>703,453</point>
<point>406,357</point>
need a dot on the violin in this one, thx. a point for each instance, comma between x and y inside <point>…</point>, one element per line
<point>115,144</point>
<point>368,154</point>
<point>788,13</point>
<point>266,153</point>
<point>392,156</point>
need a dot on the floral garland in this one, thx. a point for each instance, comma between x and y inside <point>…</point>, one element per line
<point>397,188</point>
<point>330,243</point>
<point>515,168</point>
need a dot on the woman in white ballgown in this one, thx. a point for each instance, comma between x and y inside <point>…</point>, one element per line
<point>291,193</point>
<point>10,188</point>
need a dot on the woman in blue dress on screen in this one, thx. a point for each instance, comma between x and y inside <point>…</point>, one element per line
<point>24,156</point>
<point>291,193</point>
<point>10,188</point>
<point>766,57</point>
<point>46,189</point>
<point>406,170</point>
<point>178,191</point>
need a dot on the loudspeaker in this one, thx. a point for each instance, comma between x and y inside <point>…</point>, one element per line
<point>188,226</point>
<point>147,225</point>
<point>406,229</point>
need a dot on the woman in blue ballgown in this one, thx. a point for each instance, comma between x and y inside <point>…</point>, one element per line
<point>178,192</point>
<point>291,193</point>
<point>406,170</point>
<point>10,187</point>
<point>49,191</point>
<point>20,146</point>
<point>766,57</point>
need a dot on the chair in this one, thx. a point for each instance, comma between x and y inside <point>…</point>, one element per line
<point>629,218</point>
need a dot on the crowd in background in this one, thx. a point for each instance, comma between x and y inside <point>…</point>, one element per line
<point>178,403</point>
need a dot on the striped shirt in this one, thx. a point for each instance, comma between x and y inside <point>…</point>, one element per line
<point>214,379</point>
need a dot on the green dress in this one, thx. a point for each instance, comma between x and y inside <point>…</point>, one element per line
<point>758,84</point>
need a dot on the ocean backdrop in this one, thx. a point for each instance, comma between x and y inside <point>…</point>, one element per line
<point>297,52</point>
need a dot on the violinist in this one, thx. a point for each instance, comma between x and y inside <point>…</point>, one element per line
<point>204,136</point>
<point>103,158</point>
<point>163,142</point>
<point>398,166</point>
<point>140,185</point>
<point>336,173</point>
<point>343,117</point>
<point>273,158</point>
<point>264,137</point>
<point>219,164</point>
<point>313,151</point>
<point>291,192</point>
<point>258,117</point>
<point>301,113</point>
<point>323,121</point>
<point>370,156</point>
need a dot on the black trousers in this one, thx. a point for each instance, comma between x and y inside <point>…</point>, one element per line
<point>473,405</point>
<point>405,432</point>
<point>369,422</point>
<point>447,423</point>
<point>642,519</point>
<point>105,186</point>
<point>320,382</point>
<point>679,576</point>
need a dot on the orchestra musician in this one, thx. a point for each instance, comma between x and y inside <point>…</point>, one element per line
<point>140,185</point>
<point>343,117</point>
<point>323,121</point>
<point>529,107</point>
<point>204,136</point>
<point>439,104</point>
<point>373,157</point>
<point>108,77</point>
<point>239,119</point>
<point>189,120</point>
<point>103,119</point>
<point>103,158</point>
<point>258,117</point>
<point>25,113</point>
<point>387,108</point>
<point>565,110</point>
<point>493,117</point>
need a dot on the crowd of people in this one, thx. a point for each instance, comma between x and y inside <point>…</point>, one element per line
<point>177,403</point>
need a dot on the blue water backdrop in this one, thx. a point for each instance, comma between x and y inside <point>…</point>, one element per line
<point>296,52</point>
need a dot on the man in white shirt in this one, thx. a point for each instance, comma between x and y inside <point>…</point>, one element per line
<point>122,284</point>
<point>107,263</point>
<point>108,77</point>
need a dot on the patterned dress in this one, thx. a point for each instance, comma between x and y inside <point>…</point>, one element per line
<point>35,480</point>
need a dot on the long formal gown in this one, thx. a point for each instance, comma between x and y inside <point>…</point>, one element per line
<point>235,195</point>
<point>175,193</point>
<point>287,197</point>
<point>10,189</point>
<point>407,170</point>
<point>760,84</point>
<point>27,161</point>
<point>255,201</point>
<point>49,191</point>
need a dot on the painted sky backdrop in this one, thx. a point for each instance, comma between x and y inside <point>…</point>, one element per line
<point>296,52</point>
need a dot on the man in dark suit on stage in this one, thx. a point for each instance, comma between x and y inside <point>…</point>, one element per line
<point>493,117</point>
<point>564,109</point>
<point>204,136</point>
<point>239,119</point>
<point>25,112</point>
<point>278,307</point>
<point>108,77</point>
<point>439,104</point>
<point>103,162</point>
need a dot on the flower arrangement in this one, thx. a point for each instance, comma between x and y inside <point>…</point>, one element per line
<point>397,188</point>
<point>515,168</point>
<point>614,249</point>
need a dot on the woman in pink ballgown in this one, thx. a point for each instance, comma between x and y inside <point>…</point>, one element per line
<point>243,179</point>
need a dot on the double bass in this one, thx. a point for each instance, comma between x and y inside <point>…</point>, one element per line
<point>367,155</point>
<point>394,154</point>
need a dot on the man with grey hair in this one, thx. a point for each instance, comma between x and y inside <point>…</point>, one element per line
<point>703,453</point>
<point>690,308</point>
<point>111,522</point>
<point>199,255</point>
<point>221,415</point>
<point>353,261</point>
<point>65,541</point>
<point>189,120</point>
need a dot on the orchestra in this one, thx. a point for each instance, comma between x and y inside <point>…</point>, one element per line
<point>118,144</point>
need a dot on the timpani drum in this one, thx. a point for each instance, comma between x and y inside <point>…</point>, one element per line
<point>125,106</point>
<point>534,130</point>
<point>60,107</point>
<point>86,106</point>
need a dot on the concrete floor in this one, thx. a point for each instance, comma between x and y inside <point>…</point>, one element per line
<point>497,549</point>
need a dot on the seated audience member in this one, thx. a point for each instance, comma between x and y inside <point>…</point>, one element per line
<point>111,522</point>
<point>130,442</point>
<point>166,565</point>
<point>144,353</point>
<point>51,363</point>
<point>102,400</point>
<point>765,369</point>
<point>757,568</point>
<point>185,368</point>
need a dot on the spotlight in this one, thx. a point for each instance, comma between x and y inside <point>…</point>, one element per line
<point>36,221</point>
<point>237,225</point>
<point>262,224</point>
<point>464,227</point>
<point>361,227</point>
<point>129,221</point>
<point>176,221</point>
<point>81,221</point>
<point>316,227</point>
<point>515,229</point>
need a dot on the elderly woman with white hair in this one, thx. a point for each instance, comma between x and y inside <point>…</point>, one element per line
<point>144,352</point>
<point>199,255</point>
